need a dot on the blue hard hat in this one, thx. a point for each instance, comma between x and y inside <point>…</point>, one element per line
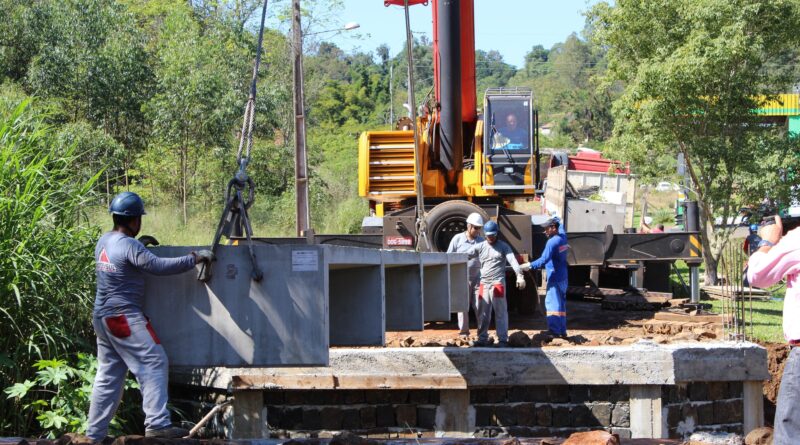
<point>127,204</point>
<point>490,228</point>
<point>754,228</point>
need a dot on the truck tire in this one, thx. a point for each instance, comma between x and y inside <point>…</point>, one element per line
<point>448,219</point>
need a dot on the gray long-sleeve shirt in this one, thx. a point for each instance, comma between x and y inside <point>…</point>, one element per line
<point>461,244</point>
<point>120,265</point>
<point>493,259</point>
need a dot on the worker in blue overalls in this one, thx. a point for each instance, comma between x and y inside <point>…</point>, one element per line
<point>554,260</point>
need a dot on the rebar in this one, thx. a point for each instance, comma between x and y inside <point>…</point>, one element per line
<point>736,297</point>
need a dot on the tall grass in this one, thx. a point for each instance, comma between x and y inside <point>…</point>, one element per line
<point>46,247</point>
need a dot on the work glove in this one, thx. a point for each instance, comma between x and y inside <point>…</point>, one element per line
<point>204,256</point>
<point>525,267</point>
<point>520,282</point>
<point>148,240</point>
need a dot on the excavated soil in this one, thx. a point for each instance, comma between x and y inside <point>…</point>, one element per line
<point>588,324</point>
<point>777,353</point>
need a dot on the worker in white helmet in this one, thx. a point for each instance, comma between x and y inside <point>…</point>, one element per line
<point>462,243</point>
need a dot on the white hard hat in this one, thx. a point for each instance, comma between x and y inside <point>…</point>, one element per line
<point>475,219</point>
<point>648,220</point>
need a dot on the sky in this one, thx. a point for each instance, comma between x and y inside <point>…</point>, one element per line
<point>509,26</point>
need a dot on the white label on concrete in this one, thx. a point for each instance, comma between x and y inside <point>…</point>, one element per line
<point>305,261</point>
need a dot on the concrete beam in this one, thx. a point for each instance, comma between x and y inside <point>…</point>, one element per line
<point>643,363</point>
<point>701,361</point>
<point>235,321</point>
<point>459,294</point>
<point>356,309</point>
<point>249,416</point>
<point>753,394</point>
<point>355,289</point>
<point>646,419</point>
<point>455,417</point>
<point>436,283</point>
<point>403,285</point>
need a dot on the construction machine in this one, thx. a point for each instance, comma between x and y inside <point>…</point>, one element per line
<point>462,160</point>
<point>467,161</point>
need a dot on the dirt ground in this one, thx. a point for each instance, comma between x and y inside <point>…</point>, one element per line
<point>587,323</point>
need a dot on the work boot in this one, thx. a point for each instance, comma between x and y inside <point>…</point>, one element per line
<point>480,343</point>
<point>170,432</point>
<point>502,344</point>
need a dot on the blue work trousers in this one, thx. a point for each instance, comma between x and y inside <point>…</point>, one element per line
<point>555,304</point>
<point>127,341</point>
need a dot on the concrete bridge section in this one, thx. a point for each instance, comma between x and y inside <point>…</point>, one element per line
<point>644,390</point>
<point>312,297</point>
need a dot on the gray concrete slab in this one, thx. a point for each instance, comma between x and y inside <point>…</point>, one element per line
<point>234,321</point>
<point>356,296</point>
<point>459,294</point>
<point>642,363</point>
<point>404,291</point>
<point>436,286</point>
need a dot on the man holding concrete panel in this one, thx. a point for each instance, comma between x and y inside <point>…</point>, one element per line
<point>494,255</point>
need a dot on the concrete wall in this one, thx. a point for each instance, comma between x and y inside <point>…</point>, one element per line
<point>235,321</point>
<point>638,391</point>
<point>311,297</point>
<point>520,411</point>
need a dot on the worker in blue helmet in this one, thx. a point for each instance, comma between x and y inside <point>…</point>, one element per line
<point>494,254</point>
<point>750,246</point>
<point>125,338</point>
<point>752,240</point>
<point>554,261</point>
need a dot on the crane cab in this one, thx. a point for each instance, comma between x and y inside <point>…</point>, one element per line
<point>510,142</point>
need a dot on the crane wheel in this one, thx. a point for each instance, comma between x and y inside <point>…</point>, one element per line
<point>448,219</point>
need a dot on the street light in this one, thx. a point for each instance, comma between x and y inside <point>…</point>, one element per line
<point>347,27</point>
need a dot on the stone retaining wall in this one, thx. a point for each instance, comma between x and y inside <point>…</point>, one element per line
<point>703,406</point>
<point>520,411</point>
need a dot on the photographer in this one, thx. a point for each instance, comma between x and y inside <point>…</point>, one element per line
<point>778,257</point>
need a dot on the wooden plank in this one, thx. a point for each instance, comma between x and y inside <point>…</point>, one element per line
<point>603,292</point>
<point>672,316</point>
<point>348,381</point>
<point>725,289</point>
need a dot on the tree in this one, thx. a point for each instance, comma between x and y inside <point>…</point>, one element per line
<point>536,61</point>
<point>491,71</point>
<point>92,61</point>
<point>694,72</point>
<point>199,91</point>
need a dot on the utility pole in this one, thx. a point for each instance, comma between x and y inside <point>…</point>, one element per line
<point>391,93</point>
<point>300,157</point>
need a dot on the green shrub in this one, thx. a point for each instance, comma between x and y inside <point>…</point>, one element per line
<point>58,397</point>
<point>47,265</point>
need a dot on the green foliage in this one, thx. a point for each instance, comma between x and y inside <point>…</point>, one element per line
<point>59,395</point>
<point>46,268</point>
<point>664,215</point>
<point>565,81</point>
<point>94,151</point>
<point>491,71</point>
<point>694,71</point>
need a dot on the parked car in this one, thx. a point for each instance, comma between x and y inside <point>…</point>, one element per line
<point>665,186</point>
